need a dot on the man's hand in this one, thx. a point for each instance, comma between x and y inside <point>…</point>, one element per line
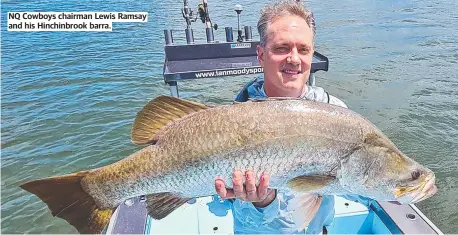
<point>260,196</point>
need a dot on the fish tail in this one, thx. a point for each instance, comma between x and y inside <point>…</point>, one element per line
<point>67,199</point>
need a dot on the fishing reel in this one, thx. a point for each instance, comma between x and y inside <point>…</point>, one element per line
<point>202,9</point>
<point>188,14</point>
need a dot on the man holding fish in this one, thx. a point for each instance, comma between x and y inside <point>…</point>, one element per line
<point>305,151</point>
<point>287,31</point>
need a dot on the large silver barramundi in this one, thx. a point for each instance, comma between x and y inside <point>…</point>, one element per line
<point>308,147</point>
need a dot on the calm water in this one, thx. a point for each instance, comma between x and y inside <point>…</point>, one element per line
<point>69,98</point>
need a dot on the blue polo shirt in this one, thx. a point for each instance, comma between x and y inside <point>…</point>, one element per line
<point>275,218</point>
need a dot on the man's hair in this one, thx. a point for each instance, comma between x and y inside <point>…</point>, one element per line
<point>284,8</point>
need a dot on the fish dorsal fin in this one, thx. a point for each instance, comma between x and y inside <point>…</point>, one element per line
<point>307,183</point>
<point>159,205</point>
<point>157,113</point>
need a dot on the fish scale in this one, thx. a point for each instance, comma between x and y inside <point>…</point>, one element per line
<point>192,137</point>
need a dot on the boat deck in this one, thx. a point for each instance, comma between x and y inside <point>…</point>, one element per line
<point>350,218</point>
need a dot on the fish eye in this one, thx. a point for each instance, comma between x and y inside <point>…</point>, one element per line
<point>416,174</point>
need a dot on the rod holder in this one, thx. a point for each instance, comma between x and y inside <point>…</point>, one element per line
<point>229,35</point>
<point>189,36</point>
<point>168,37</point>
<point>210,36</point>
<point>239,35</point>
<point>248,34</point>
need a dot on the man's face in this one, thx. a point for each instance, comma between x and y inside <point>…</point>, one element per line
<point>287,56</point>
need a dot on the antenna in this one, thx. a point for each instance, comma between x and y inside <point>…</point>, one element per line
<point>238,9</point>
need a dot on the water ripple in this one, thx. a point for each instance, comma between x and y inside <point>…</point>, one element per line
<point>69,98</point>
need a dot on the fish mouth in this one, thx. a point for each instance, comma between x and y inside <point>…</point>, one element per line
<point>417,193</point>
<point>428,190</point>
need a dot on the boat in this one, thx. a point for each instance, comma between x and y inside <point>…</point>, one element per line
<point>234,57</point>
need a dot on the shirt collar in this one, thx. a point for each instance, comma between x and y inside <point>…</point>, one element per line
<point>305,94</point>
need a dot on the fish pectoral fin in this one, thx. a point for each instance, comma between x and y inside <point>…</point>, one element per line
<point>307,183</point>
<point>158,113</point>
<point>159,205</point>
<point>304,207</point>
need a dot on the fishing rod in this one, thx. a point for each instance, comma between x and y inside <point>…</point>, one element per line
<point>188,16</point>
<point>205,18</point>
